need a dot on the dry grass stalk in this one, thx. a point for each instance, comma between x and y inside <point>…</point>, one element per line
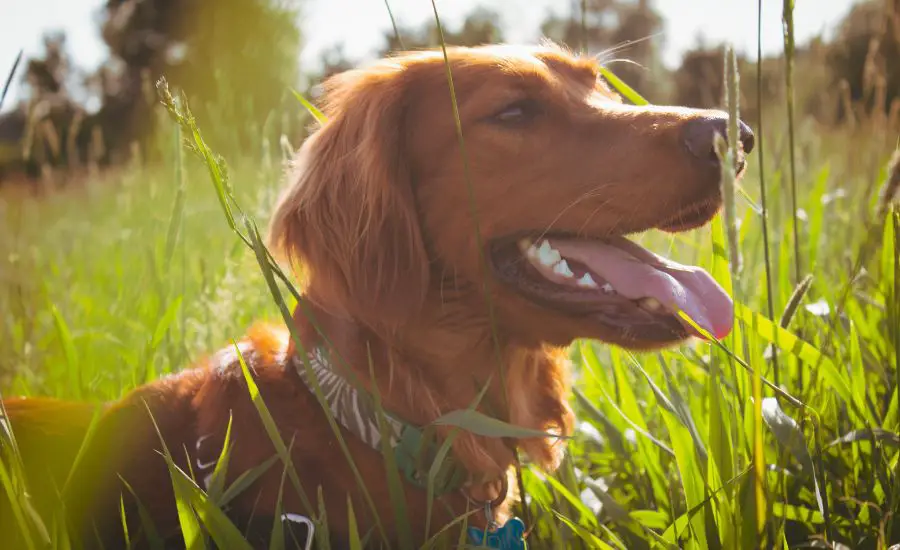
<point>847,104</point>
<point>891,188</point>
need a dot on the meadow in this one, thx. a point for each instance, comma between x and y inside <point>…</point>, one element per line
<point>785,433</point>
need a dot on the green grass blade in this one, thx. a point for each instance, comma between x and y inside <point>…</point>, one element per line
<point>216,485</point>
<point>124,519</point>
<point>586,516</point>
<point>676,529</point>
<point>324,540</point>
<point>220,528</point>
<point>246,479</point>
<point>720,271</point>
<point>69,351</point>
<point>154,540</point>
<point>630,404</point>
<point>890,282</point>
<point>439,459</point>
<point>14,496</point>
<point>162,326</point>
<point>352,529</point>
<point>272,430</point>
<point>83,447</point>
<point>624,89</point>
<point>788,28</point>
<point>481,424</point>
<point>585,535</point>
<point>263,259</point>
<point>816,215</point>
<point>276,533</point>
<point>313,110</point>
<point>763,190</point>
<point>394,24</point>
<point>191,531</point>
<point>9,77</point>
<point>176,218</point>
<point>396,493</point>
<point>691,475</point>
<point>790,343</point>
<point>682,411</point>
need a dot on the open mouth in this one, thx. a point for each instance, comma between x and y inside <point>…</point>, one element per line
<point>616,282</point>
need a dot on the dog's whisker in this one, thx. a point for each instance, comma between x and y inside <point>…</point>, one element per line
<point>585,196</point>
<point>602,56</point>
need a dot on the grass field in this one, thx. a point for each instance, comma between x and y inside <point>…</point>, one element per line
<point>119,280</point>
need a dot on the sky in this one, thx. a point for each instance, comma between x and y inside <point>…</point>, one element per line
<point>363,23</point>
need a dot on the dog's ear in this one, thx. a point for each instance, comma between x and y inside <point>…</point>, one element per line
<point>348,219</point>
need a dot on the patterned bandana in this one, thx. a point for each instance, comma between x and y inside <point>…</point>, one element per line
<point>415,449</point>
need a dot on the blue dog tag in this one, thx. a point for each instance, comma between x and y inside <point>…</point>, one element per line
<point>508,537</point>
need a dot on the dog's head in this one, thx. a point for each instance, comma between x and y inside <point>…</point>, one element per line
<point>390,211</point>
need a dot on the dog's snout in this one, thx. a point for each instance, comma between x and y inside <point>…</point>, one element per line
<point>700,135</point>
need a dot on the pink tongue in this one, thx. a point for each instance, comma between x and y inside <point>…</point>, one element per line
<point>636,273</point>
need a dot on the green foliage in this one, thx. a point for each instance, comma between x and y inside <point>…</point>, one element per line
<point>120,281</point>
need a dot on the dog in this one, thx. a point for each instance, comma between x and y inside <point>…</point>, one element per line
<point>448,251</point>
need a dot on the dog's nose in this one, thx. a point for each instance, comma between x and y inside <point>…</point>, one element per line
<point>700,135</point>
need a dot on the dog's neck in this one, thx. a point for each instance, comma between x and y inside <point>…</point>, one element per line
<point>440,362</point>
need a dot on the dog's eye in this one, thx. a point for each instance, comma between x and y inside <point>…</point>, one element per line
<point>518,112</point>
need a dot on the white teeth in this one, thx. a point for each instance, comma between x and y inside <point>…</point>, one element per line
<point>562,268</point>
<point>528,249</point>
<point>650,304</point>
<point>586,281</point>
<point>547,255</point>
<point>608,289</point>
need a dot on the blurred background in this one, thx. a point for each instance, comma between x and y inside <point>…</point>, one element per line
<point>84,97</point>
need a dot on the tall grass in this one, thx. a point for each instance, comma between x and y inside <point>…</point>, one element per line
<point>123,279</point>
<point>788,27</point>
<point>763,200</point>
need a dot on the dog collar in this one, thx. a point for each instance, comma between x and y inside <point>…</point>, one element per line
<point>415,449</point>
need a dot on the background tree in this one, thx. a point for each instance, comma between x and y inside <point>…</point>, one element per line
<point>234,59</point>
<point>334,60</point>
<point>699,81</point>
<point>865,54</point>
<point>625,33</point>
<point>481,26</point>
<point>46,130</point>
